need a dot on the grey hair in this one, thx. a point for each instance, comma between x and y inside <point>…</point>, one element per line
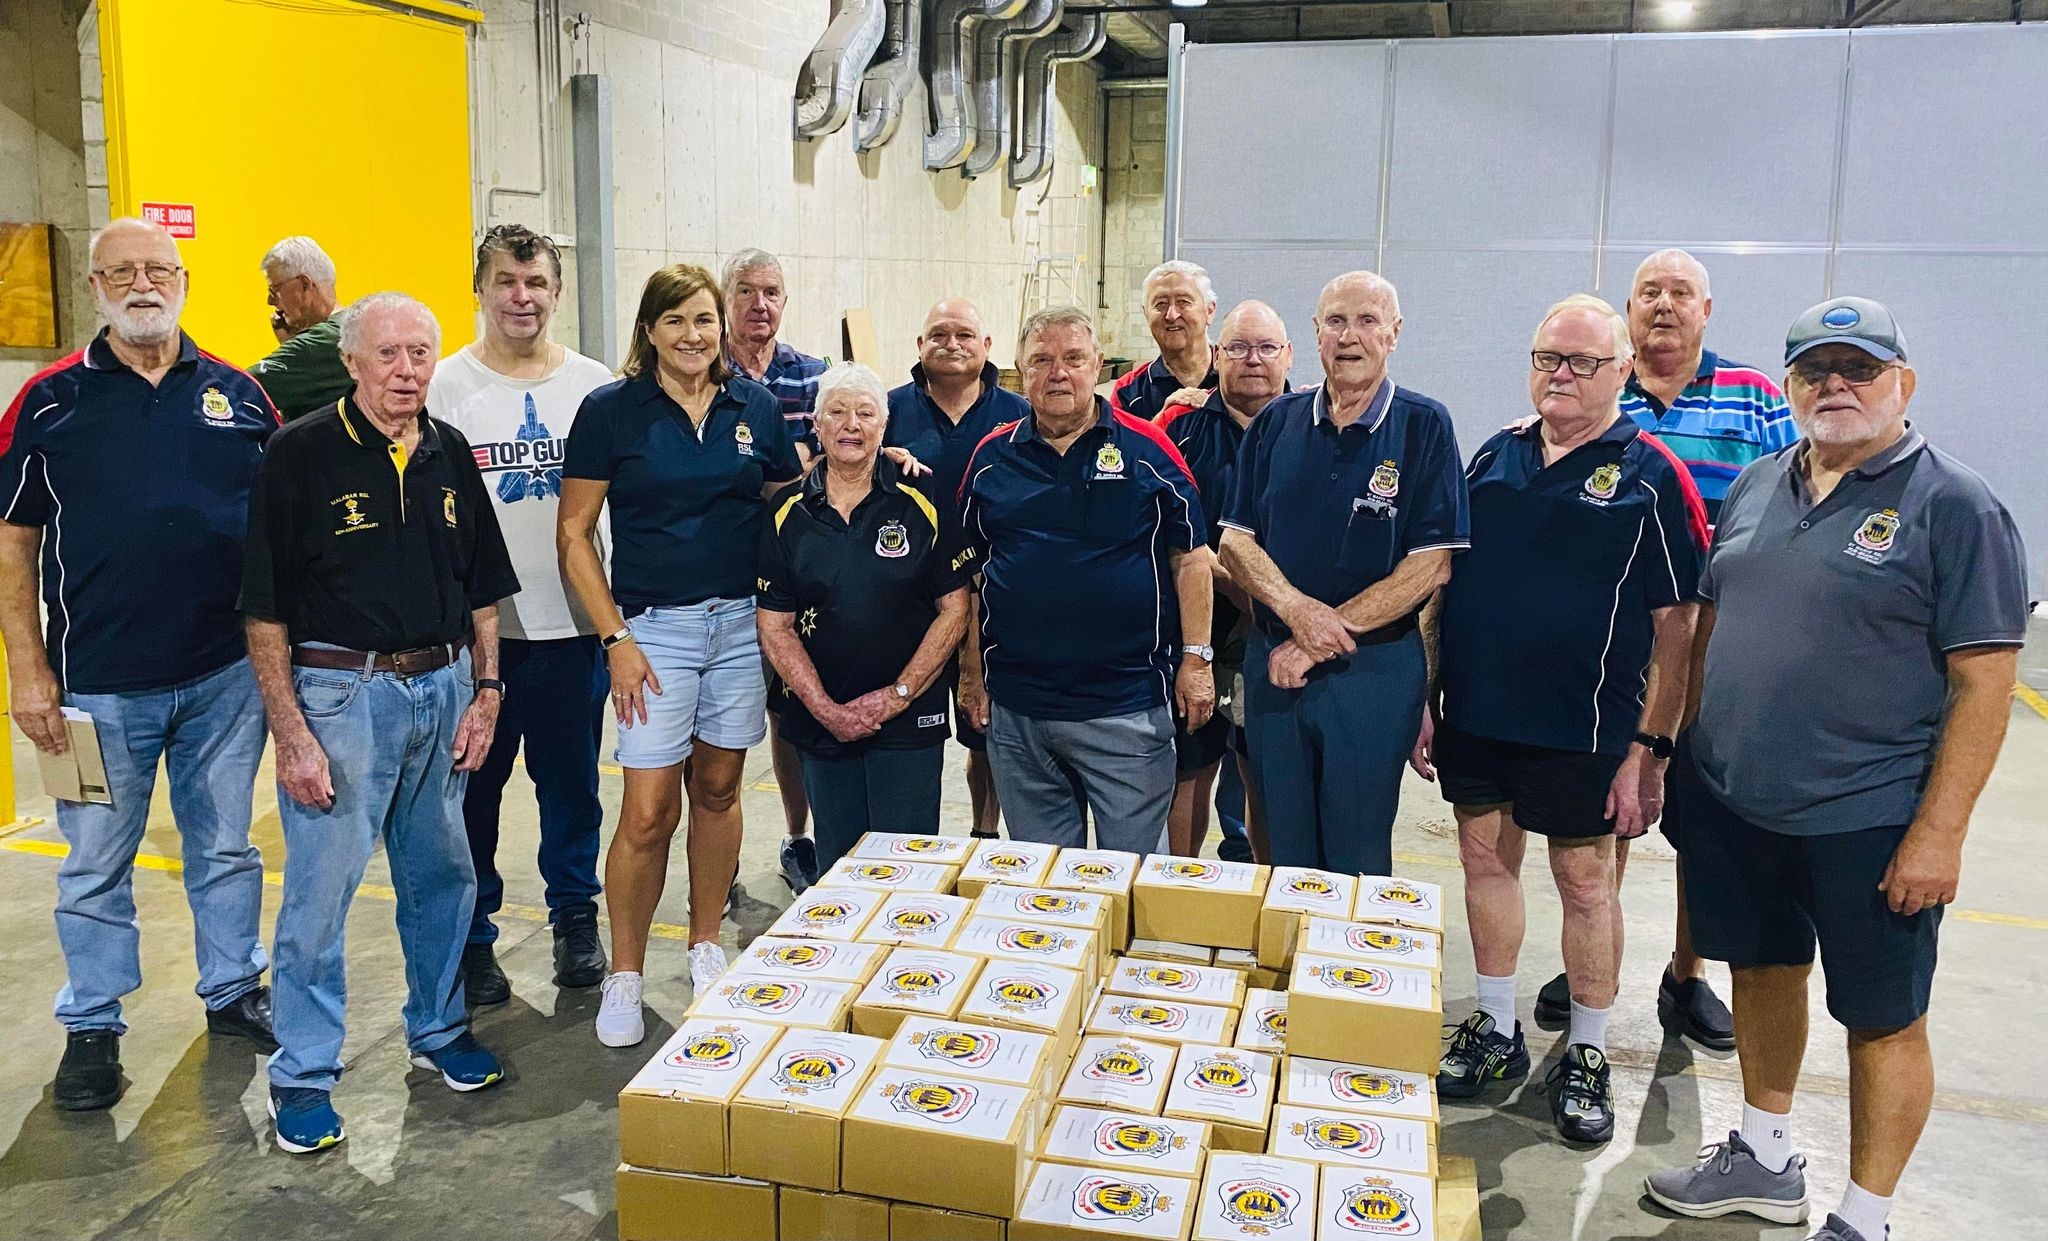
<point>300,256</point>
<point>1706,285</point>
<point>92,246</point>
<point>1052,316</point>
<point>1181,267</point>
<point>1623,346</point>
<point>1370,279</point>
<point>857,379</point>
<point>745,261</point>
<point>352,316</point>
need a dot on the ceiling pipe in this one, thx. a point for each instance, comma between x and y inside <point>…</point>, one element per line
<point>951,138</point>
<point>995,81</point>
<point>831,74</point>
<point>1036,81</point>
<point>886,86</point>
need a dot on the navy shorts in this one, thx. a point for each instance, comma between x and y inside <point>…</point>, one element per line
<point>1759,897</point>
<point>1204,746</point>
<point>1557,793</point>
<point>970,738</point>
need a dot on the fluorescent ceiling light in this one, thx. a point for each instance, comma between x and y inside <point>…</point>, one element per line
<point>1676,11</point>
<point>1188,4</point>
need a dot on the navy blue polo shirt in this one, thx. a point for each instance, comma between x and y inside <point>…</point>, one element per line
<point>1336,510</point>
<point>1546,627</point>
<point>144,493</point>
<point>919,426</point>
<point>1209,440</point>
<point>1079,616</point>
<point>1142,393</point>
<point>686,502</point>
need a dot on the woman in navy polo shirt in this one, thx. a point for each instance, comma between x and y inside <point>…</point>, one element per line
<point>683,452</point>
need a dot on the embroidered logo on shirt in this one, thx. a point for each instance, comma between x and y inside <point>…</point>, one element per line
<point>1875,536</point>
<point>892,541</point>
<point>214,404</point>
<point>1604,481</point>
<point>1109,459</point>
<point>448,504</point>
<point>352,518</point>
<point>743,435</point>
<point>1385,481</point>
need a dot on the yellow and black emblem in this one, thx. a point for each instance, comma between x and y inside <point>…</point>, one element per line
<point>1109,459</point>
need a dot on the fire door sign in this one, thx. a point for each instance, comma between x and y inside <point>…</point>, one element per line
<point>178,219</point>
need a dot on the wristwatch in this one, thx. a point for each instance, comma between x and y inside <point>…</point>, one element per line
<point>484,683</point>
<point>1659,747</point>
<point>1206,653</point>
<point>615,639</point>
<point>903,691</point>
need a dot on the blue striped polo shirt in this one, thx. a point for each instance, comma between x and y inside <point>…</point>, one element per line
<point>1727,417</point>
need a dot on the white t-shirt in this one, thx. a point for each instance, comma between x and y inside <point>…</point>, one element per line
<point>518,428</point>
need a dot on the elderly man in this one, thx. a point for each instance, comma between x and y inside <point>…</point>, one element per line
<point>305,374</point>
<point>1094,575</point>
<point>755,294</point>
<point>1252,363</point>
<point>371,591</point>
<point>1875,587</point>
<point>1564,637</point>
<point>1179,303</point>
<point>1347,504</point>
<point>954,399</point>
<point>513,394</point>
<point>145,448</point>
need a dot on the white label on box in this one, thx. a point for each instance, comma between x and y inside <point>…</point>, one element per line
<point>827,913</point>
<point>1168,950</point>
<point>706,1058</point>
<point>1222,1083</point>
<point>982,1052</point>
<point>777,998</point>
<point>1362,1203</point>
<point>1078,909</point>
<point>1039,942</point>
<point>1121,1072</point>
<point>1409,902</point>
<point>1161,1019</point>
<point>1264,1023</point>
<point>1351,1138</point>
<point>1172,980</point>
<point>1022,991</point>
<point>1372,941</point>
<point>808,958</point>
<point>1243,960</point>
<point>1167,871</point>
<point>923,918</point>
<point>1096,870</point>
<point>1365,982</point>
<point>1257,1196</point>
<point>1126,1139</point>
<point>1358,1088</point>
<point>976,1110</point>
<point>945,850</point>
<point>817,1070</point>
<point>922,981</point>
<point>888,875</point>
<point>1009,861</point>
<point>1115,1201</point>
<point>1306,890</point>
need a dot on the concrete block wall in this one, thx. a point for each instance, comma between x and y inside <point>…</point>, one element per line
<point>1134,217</point>
<point>43,161</point>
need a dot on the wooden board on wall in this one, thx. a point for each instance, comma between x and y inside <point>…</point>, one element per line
<point>28,293</point>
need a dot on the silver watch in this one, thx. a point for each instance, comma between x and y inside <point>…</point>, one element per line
<point>902,691</point>
<point>1207,653</point>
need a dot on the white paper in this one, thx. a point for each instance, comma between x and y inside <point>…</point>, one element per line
<point>1075,909</point>
<point>1404,902</point>
<point>920,981</point>
<point>1263,1024</point>
<point>776,998</point>
<point>1114,1201</point>
<point>1019,862</point>
<point>1198,874</point>
<point>942,1103</point>
<point>817,1070</point>
<point>888,874</point>
<point>1354,1139</point>
<point>1304,889</point>
<point>1095,870</point>
<point>1122,1073</point>
<point>1169,950</point>
<point>1243,960</point>
<point>1367,1203</point>
<point>828,913</point>
<point>904,846</point>
<point>1257,1196</point>
<point>986,1053</point>
<point>1330,1084</point>
<point>1022,993</point>
<point>1013,939</point>
<point>822,959</point>
<point>919,919</point>
<point>1112,1138</point>
<point>1364,982</point>
<point>1173,980</point>
<point>1372,941</point>
<point>707,1058</point>
<point>1163,1020</point>
<point>1229,1085</point>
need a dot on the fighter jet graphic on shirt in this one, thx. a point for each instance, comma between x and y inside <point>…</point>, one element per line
<point>539,478</point>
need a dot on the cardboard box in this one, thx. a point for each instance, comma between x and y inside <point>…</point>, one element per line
<point>1363,1202</point>
<point>1121,1074</point>
<point>1457,1199</point>
<point>1198,901</point>
<point>1254,1195</point>
<point>1067,1203</point>
<point>1021,995</point>
<point>1334,1085</point>
<point>911,1222</point>
<point>1263,1024</point>
<point>672,1114</point>
<point>828,913</point>
<point>889,875</point>
<point>784,1122</point>
<point>822,959</point>
<point>1170,950</point>
<point>1373,941</point>
<point>1243,960</point>
<point>986,1053</point>
<point>1012,939</point>
<point>675,1206</point>
<point>917,920</point>
<point>1353,1139</point>
<point>941,1140</point>
<point>1106,872</point>
<point>1106,1138</point>
<point>1019,862</point>
<point>1228,1087</point>
<point>912,847</point>
<point>808,1215</point>
<point>913,982</point>
<point>1173,980</point>
<point>1167,1021</point>
<point>1292,892</point>
<point>1078,911</point>
<point>779,998</point>
<point>1411,903</point>
<point>1336,1008</point>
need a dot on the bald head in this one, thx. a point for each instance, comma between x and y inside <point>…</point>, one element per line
<point>1253,317</point>
<point>954,345</point>
<point>1668,308</point>
<point>138,281</point>
<point>1252,357</point>
<point>1355,285</point>
<point>1358,324</point>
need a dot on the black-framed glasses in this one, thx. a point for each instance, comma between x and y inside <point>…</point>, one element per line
<point>1584,365</point>
<point>122,275</point>
<point>1239,350</point>
<point>1860,370</point>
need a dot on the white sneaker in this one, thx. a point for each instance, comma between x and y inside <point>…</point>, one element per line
<point>707,965</point>
<point>619,1020</point>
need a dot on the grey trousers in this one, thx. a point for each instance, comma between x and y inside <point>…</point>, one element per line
<point>1050,773</point>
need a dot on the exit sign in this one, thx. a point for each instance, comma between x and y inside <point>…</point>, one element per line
<point>177,219</point>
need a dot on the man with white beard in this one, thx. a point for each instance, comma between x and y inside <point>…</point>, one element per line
<point>137,453</point>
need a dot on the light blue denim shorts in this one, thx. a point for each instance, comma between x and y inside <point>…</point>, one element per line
<point>708,658</point>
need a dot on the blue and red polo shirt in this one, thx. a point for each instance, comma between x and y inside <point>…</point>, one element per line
<point>1727,417</point>
<point>1142,393</point>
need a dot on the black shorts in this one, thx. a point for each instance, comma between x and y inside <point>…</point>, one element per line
<point>964,731</point>
<point>1558,793</point>
<point>1759,897</point>
<point>1206,745</point>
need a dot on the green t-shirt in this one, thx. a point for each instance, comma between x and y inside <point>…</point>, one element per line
<point>306,373</point>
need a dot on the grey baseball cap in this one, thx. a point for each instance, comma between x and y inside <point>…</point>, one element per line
<point>1854,321</point>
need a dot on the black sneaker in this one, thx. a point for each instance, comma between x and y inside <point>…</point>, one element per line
<point>579,954</point>
<point>482,981</point>
<point>247,1017</point>
<point>1691,1009</point>
<point>1581,1097</point>
<point>1479,1053</point>
<point>1554,1004</point>
<point>89,1077</point>
<point>799,862</point>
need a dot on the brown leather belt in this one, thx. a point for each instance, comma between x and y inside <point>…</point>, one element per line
<point>405,663</point>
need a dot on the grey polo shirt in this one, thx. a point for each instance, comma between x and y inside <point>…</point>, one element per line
<point>1826,674</point>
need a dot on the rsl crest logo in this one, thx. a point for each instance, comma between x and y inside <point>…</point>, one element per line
<point>1006,862</point>
<point>970,1048</point>
<point>213,403</point>
<point>767,995</point>
<point>1191,871</point>
<point>718,1050</point>
<point>1121,1063</point>
<point>1366,1086</point>
<point>799,956</point>
<point>1604,482</point>
<point>743,437</point>
<point>1272,1020</point>
<point>1385,481</point>
<point>1257,1205</point>
<point>1151,1016</point>
<point>1400,894</point>
<point>919,844</point>
<point>1376,1207</point>
<point>807,1072</point>
<point>1041,940</point>
<point>1224,1075</point>
<point>1380,939</point>
<point>1091,871</point>
<point>827,913</point>
<point>1313,887</point>
<point>944,1102</point>
<point>1020,995</point>
<point>1048,903</point>
<point>1363,979</point>
<point>1167,977</point>
<point>1107,1198</point>
<point>1118,1139</point>
<point>880,872</point>
<point>916,982</point>
<point>1875,536</point>
<point>916,919</point>
<point>1352,1136</point>
<point>1109,461</point>
<point>892,541</point>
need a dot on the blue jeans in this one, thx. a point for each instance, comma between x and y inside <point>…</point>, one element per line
<point>876,790</point>
<point>209,732</point>
<point>1236,845</point>
<point>389,743</point>
<point>544,684</point>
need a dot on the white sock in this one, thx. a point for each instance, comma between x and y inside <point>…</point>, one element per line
<point>1769,1135</point>
<point>1589,1026</point>
<point>1865,1212</point>
<point>1497,1000</point>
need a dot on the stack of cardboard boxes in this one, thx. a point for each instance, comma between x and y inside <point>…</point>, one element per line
<point>1021,1043</point>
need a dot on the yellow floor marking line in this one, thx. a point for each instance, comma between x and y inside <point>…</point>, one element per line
<point>2032,697</point>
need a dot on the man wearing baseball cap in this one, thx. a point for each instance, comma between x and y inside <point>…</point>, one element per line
<point>1837,816</point>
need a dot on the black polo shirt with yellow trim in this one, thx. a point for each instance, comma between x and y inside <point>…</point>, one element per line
<point>864,593</point>
<point>355,542</point>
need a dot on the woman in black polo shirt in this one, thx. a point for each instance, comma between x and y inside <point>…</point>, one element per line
<point>683,452</point>
<point>862,600</point>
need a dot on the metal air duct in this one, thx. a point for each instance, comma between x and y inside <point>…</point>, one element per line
<point>995,82</point>
<point>1036,79</point>
<point>952,104</point>
<point>888,80</point>
<point>831,74</point>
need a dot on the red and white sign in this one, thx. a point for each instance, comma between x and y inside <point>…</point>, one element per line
<point>180,220</point>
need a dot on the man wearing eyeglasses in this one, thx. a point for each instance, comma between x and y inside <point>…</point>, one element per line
<point>305,374</point>
<point>1869,588</point>
<point>127,468</point>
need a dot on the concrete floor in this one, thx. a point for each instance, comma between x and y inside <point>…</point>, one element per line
<point>188,1154</point>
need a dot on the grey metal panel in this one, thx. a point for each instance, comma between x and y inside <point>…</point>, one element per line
<point>1758,166</point>
<point>1756,297</point>
<point>1498,140</point>
<point>1286,278</point>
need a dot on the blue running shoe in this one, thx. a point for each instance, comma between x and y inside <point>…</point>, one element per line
<point>464,1064</point>
<point>306,1120</point>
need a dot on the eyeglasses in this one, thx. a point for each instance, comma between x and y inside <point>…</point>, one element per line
<point>1584,365</point>
<point>1860,370</point>
<point>1239,350</point>
<point>122,275</point>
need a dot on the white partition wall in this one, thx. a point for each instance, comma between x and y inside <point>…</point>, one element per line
<point>1489,177</point>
